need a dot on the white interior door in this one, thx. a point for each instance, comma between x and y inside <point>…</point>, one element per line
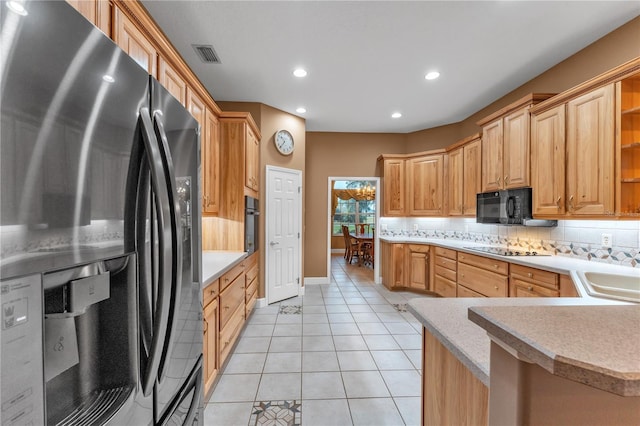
<point>283,220</point>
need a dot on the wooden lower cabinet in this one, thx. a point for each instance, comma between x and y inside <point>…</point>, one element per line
<point>451,394</point>
<point>417,266</point>
<point>530,282</point>
<point>445,274</point>
<point>210,340</point>
<point>392,256</point>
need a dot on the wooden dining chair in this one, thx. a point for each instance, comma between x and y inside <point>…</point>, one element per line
<point>352,247</point>
<point>367,250</point>
<point>363,228</point>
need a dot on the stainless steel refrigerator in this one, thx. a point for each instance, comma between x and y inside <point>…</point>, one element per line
<point>99,231</point>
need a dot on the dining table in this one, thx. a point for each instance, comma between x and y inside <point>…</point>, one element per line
<point>364,238</point>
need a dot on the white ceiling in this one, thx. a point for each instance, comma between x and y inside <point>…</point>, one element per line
<point>367,59</point>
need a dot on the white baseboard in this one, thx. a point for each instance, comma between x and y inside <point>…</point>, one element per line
<point>337,251</point>
<point>316,280</point>
<point>301,291</point>
<point>261,302</point>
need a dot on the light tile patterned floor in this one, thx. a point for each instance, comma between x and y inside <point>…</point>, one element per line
<point>346,353</point>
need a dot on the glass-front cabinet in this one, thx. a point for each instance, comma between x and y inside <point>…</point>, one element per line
<point>628,185</point>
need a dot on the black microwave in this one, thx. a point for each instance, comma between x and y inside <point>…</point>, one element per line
<point>508,207</point>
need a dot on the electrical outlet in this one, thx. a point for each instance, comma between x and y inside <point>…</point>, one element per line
<point>415,226</point>
<point>607,240</point>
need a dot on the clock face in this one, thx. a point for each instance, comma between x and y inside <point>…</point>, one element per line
<point>284,142</point>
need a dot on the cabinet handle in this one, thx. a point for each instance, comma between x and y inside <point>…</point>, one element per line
<point>571,203</point>
<point>462,275</point>
<point>530,275</point>
<point>530,288</point>
<point>498,181</point>
<point>496,287</point>
<point>495,266</point>
<point>226,308</point>
<point>558,201</point>
<point>205,326</point>
<point>212,291</point>
<point>506,179</point>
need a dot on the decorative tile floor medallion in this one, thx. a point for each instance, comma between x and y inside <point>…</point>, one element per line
<point>290,309</point>
<point>400,307</point>
<point>276,413</point>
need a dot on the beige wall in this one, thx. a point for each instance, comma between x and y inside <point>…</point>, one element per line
<point>339,155</point>
<point>270,120</point>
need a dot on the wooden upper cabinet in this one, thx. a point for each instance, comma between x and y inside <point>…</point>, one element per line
<point>134,42</point>
<point>426,183</point>
<point>393,186</point>
<point>98,12</point>
<point>252,162</point>
<point>628,147</point>
<point>548,162</point>
<point>455,181</point>
<point>172,81</point>
<point>196,107</point>
<point>515,150</point>
<point>505,145</point>
<point>211,164</point>
<point>492,135</point>
<point>464,176</point>
<point>472,176</point>
<point>590,153</point>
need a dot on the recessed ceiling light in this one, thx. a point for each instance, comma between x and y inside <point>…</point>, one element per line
<point>396,115</point>
<point>17,7</point>
<point>301,110</point>
<point>108,78</point>
<point>432,75</point>
<point>299,72</point>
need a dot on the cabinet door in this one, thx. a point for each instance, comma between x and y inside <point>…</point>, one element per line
<point>392,256</point>
<point>418,267</point>
<point>251,161</point>
<point>519,288</point>
<point>472,177</point>
<point>492,156</point>
<point>211,164</point>
<point>172,81</point>
<point>132,40</point>
<point>590,153</point>
<point>515,166</point>
<point>455,182</point>
<point>426,175</point>
<point>393,196</point>
<point>96,11</point>
<point>547,162</point>
<point>210,339</point>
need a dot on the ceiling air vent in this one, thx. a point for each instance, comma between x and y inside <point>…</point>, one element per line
<point>207,54</point>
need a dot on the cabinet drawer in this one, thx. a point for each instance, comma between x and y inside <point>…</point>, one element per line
<point>250,304</point>
<point>230,298</point>
<point>445,252</point>
<point>446,273</point>
<point>210,292</point>
<point>230,332</point>
<point>231,275</point>
<point>535,276</point>
<point>444,287</point>
<point>419,248</point>
<point>484,263</point>
<point>446,262</point>
<point>252,289</point>
<point>519,288</point>
<point>252,273</point>
<point>484,282</point>
<point>465,292</point>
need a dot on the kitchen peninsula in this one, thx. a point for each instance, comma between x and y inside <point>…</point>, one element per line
<point>459,357</point>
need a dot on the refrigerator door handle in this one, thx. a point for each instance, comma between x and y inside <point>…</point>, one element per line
<point>175,253</point>
<point>161,316</point>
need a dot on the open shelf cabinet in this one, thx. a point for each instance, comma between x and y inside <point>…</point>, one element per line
<point>628,109</point>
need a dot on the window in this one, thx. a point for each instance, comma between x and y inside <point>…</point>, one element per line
<point>351,211</point>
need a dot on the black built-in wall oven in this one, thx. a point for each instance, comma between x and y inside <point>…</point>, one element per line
<point>251,224</point>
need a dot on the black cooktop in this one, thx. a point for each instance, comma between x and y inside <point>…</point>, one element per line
<point>502,251</point>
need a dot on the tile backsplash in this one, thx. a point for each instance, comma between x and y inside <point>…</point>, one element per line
<point>572,238</point>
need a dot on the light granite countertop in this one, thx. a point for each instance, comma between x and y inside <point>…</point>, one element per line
<point>217,262</point>
<point>447,320</point>
<point>595,345</point>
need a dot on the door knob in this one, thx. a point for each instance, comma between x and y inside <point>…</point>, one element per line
<point>273,243</point>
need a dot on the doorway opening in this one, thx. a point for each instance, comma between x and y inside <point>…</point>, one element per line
<point>351,201</point>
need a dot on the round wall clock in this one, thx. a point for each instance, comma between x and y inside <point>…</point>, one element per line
<point>284,142</point>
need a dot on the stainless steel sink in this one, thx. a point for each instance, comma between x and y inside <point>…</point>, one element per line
<point>612,286</point>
